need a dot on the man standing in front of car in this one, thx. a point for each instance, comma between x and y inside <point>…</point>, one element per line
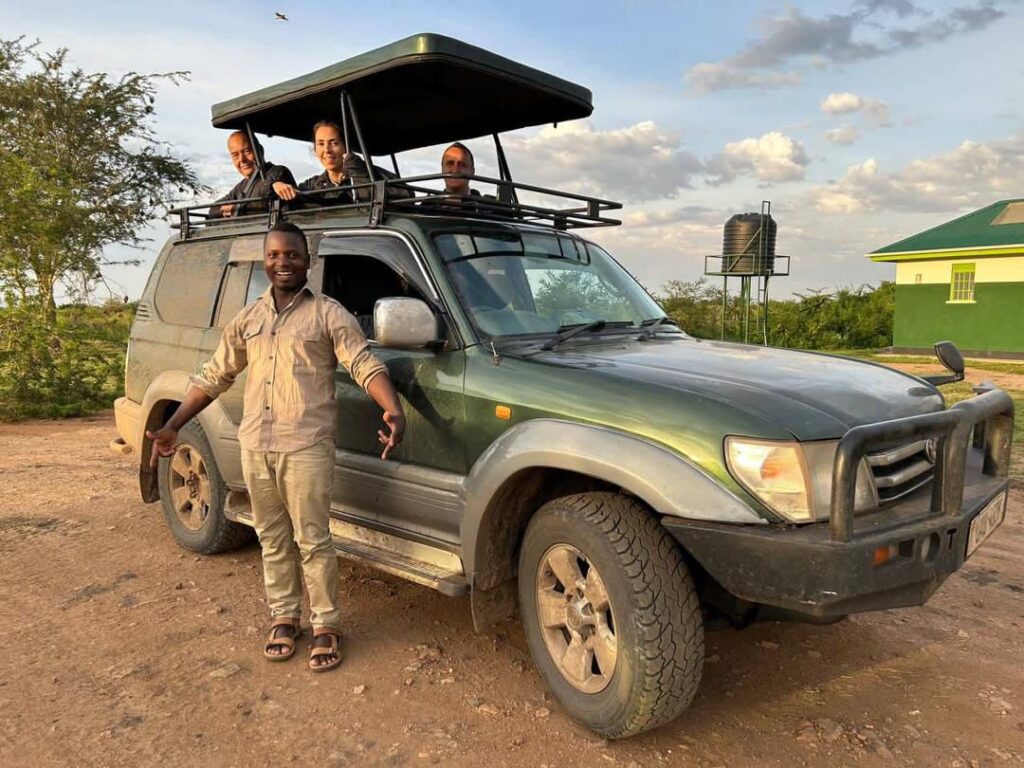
<point>291,340</point>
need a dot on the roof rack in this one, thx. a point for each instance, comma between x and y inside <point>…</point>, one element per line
<point>407,195</point>
<point>423,90</point>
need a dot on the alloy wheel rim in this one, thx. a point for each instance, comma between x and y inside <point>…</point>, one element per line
<point>190,487</point>
<point>575,617</point>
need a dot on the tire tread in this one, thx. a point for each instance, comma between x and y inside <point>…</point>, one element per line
<point>668,611</point>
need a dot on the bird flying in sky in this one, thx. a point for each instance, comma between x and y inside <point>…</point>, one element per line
<point>280,16</point>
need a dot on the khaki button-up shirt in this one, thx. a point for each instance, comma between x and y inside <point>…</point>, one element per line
<point>292,357</point>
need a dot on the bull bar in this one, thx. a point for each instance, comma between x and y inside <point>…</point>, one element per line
<point>952,428</point>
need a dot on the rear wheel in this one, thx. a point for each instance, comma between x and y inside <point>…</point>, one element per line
<point>192,495</point>
<point>610,613</point>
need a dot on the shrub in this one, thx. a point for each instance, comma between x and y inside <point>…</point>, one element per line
<point>74,368</point>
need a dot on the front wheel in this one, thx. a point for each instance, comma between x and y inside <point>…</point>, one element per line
<point>610,613</point>
<point>192,495</point>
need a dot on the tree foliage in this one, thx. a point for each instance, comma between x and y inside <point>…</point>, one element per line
<point>81,169</point>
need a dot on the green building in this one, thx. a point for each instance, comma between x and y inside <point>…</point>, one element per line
<point>962,281</point>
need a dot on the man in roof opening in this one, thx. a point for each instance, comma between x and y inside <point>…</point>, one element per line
<point>243,157</point>
<point>458,159</point>
<point>291,340</point>
<point>341,170</point>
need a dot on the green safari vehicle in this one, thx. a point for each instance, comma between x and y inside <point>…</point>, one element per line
<point>571,455</point>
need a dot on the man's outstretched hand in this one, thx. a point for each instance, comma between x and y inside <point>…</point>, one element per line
<point>163,443</point>
<point>396,431</point>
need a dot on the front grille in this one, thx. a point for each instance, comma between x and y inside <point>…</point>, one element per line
<point>901,470</point>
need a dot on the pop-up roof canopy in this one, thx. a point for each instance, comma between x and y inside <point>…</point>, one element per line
<point>423,90</point>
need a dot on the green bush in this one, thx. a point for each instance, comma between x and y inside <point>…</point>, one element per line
<point>848,318</point>
<point>74,368</point>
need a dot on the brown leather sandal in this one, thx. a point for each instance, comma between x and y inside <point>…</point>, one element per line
<point>334,649</point>
<point>285,641</point>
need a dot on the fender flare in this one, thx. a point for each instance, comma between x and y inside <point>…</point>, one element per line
<point>666,481</point>
<point>221,431</point>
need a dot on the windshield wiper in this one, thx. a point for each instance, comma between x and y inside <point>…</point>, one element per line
<point>650,325</point>
<point>594,325</point>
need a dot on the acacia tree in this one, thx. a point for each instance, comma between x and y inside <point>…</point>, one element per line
<point>80,168</point>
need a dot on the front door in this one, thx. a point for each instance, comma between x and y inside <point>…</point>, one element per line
<point>416,490</point>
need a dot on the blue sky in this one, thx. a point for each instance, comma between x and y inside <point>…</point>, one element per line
<point>863,122</point>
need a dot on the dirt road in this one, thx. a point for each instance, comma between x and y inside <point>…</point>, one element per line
<point>121,649</point>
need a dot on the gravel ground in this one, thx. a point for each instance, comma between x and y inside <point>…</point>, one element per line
<point>122,649</point>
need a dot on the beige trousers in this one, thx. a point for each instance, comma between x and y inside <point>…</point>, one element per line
<point>291,496</point>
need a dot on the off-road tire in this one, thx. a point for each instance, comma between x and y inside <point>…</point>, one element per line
<point>658,625</point>
<point>216,532</point>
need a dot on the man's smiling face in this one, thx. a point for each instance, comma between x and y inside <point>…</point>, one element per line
<point>286,261</point>
<point>242,156</point>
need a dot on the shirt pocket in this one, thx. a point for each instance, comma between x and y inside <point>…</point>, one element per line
<point>308,348</point>
<point>251,332</point>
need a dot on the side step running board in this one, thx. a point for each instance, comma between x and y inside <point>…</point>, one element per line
<point>414,561</point>
<point>451,583</point>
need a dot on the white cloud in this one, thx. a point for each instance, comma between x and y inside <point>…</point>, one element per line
<point>969,176</point>
<point>706,77</point>
<point>641,162</point>
<point>772,157</point>
<point>874,110</point>
<point>844,134</point>
<point>840,103</point>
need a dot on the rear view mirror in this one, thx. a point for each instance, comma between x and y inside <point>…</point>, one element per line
<point>950,357</point>
<point>404,323</point>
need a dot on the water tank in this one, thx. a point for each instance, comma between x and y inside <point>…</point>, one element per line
<point>746,249</point>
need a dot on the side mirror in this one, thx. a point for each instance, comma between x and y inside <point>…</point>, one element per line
<point>404,323</point>
<point>950,357</point>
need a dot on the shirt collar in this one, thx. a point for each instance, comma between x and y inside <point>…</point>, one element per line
<point>267,296</point>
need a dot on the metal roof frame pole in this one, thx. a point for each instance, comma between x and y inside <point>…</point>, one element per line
<point>344,121</point>
<point>505,194</point>
<point>260,168</point>
<point>394,163</point>
<point>359,137</point>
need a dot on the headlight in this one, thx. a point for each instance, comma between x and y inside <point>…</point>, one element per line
<point>793,479</point>
<point>773,472</point>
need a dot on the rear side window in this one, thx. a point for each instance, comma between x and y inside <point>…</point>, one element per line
<point>232,295</point>
<point>190,282</point>
<point>258,283</point>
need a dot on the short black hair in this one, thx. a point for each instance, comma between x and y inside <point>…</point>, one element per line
<point>286,226</point>
<point>464,148</point>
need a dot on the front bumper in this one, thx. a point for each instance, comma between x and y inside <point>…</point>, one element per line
<point>128,417</point>
<point>828,569</point>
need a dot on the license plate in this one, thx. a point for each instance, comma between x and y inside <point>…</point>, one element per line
<point>985,523</point>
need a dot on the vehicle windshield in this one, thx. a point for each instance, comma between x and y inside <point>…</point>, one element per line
<point>517,284</point>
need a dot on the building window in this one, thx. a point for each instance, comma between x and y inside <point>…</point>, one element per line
<point>961,284</point>
<point>917,279</point>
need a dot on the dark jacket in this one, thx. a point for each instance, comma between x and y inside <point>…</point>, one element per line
<point>340,194</point>
<point>253,186</point>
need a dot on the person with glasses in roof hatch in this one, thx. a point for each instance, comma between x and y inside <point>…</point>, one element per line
<point>243,157</point>
<point>291,340</point>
